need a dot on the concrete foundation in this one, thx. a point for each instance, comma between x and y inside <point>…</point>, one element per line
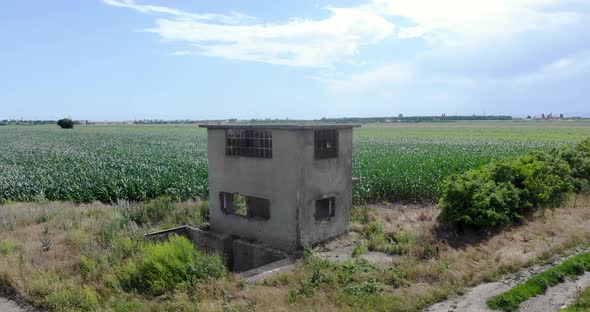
<point>249,255</point>
<point>239,255</point>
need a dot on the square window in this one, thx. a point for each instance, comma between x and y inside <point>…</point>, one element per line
<point>326,143</point>
<point>248,142</point>
<point>325,208</point>
<point>245,206</point>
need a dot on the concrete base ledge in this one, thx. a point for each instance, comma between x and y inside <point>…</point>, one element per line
<point>263,272</point>
<point>163,235</point>
<point>248,255</point>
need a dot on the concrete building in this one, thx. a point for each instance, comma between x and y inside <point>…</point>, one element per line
<point>287,186</point>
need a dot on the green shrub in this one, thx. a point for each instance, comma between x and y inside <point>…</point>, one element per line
<point>504,192</point>
<point>7,246</point>
<point>165,266</point>
<point>72,299</point>
<point>511,299</point>
<point>65,123</point>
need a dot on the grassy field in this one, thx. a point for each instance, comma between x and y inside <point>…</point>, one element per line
<point>398,162</point>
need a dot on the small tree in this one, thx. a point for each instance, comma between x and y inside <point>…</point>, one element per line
<point>66,123</point>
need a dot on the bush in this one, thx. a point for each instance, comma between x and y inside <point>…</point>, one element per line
<point>165,266</point>
<point>504,192</point>
<point>72,299</point>
<point>65,123</point>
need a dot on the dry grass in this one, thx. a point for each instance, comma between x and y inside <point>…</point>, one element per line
<point>461,260</point>
<point>410,282</point>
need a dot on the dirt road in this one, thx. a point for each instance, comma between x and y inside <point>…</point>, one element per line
<point>558,296</point>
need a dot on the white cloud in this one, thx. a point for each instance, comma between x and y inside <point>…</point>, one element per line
<point>299,42</point>
<point>382,79</point>
<point>230,18</point>
<point>181,53</point>
<point>452,20</point>
<point>563,68</point>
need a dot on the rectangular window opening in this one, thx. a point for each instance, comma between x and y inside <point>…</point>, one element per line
<point>326,143</point>
<point>248,142</point>
<point>325,208</point>
<point>245,206</point>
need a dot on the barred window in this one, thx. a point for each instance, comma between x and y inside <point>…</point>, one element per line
<point>326,143</point>
<point>248,142</point>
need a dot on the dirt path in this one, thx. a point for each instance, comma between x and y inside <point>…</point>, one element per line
<point>556,297</point>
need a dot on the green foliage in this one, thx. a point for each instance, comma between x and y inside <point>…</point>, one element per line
<point>165,266</point>
<point>7,246</point>
<point>107,164</point>
<point>138,163</point>
<point>360,248</point>
<point>370,286</point>
<point>511,299</point>
<point>506,191</point>
<point>401,243</point>
<point>72,299</point>
<point>66,123</point>
<point>168,213</point>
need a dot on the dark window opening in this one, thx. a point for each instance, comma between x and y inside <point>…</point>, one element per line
<point>325,208</point>
<point>248,142</point>
<point>245,206</point>
<point>326,143</point>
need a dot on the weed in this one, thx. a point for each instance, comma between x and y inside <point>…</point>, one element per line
<point>165,266</point>
<point>7,246</point>
<point>46,242</point>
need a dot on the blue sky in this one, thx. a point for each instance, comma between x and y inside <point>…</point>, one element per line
<point>176,59</point>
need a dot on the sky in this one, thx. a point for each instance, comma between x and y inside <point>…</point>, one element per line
<point>305,59</point>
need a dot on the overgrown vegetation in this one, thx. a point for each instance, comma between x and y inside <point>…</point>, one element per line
<point>506,191</point>
<point>166,266</point>
<point>582,303</point>
<point>93,257</point>
<point>511,299</point>
<point>99,255</point>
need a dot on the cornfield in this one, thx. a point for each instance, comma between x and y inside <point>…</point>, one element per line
<point>134,163</point>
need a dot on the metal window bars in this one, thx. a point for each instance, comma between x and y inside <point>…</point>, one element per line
<point>248,142</point>
<point>326,143</point>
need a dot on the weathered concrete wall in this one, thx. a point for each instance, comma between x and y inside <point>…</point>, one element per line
<point>323,178</point>
<point>248,256</point>
<point>273,179</point>
<point>292,181</point>
<point>213,242</point>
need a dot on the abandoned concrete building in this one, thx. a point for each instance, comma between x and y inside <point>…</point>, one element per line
<point>287,186</point>
<point>273,189</point>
